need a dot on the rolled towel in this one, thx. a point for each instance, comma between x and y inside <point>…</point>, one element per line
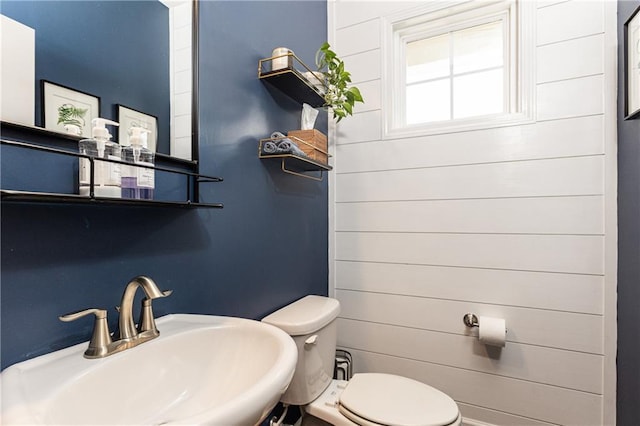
<point>286,145</point>
<point>277,135</point>
<point>269,147</point>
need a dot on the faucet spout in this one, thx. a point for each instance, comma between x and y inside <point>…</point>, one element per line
<point>125,323</point>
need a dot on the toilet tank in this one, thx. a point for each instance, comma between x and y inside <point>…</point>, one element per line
<point>311,322</point>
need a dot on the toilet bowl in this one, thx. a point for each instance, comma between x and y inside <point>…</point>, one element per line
<point>368,399</point>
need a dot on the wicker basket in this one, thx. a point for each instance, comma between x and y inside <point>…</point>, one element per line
<point>311,142</point>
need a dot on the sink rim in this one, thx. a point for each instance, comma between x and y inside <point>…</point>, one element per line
<point>70,362</point>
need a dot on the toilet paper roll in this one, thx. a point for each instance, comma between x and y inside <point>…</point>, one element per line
<point>492,331</point>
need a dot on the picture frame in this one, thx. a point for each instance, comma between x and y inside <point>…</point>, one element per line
<point>68,110</point>
<point>632,66</point>
<point>129,117</point>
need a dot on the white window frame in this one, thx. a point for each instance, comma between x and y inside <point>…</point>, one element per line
<point>436,18</point>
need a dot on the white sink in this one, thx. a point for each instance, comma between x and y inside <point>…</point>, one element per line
<point>201,370</point>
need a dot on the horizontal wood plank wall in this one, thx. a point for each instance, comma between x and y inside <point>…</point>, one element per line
<point>506,222</point>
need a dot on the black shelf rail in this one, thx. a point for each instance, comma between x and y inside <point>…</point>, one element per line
<point>192,182</point>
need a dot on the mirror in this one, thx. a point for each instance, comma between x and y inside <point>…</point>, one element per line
<point>138,56</point>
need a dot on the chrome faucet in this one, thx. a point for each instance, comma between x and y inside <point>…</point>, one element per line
<point>128,336</point>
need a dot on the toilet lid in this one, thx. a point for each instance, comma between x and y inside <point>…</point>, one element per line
<point>397,401</point>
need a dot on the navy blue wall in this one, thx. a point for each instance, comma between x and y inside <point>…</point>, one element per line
<point>266,248</point>
<point>130,66</point>
<point>628,244</point>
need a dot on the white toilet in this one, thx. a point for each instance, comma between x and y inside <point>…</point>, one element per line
<point>368,399</point>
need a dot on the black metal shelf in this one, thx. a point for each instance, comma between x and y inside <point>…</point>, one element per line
<point>53,198</point>
<point>192,182</point>
<point>39,136</point>
<point>291,81</point>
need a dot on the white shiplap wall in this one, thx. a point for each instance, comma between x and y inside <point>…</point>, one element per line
<point>515,222</point>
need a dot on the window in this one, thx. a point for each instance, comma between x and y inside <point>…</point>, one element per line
<point>456,67</point>
<point>456,75</point>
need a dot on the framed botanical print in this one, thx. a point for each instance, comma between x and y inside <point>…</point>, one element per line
<point>68,110</point>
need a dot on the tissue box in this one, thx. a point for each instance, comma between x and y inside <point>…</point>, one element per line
<point>314,143</point>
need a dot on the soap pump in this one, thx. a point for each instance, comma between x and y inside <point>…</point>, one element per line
<point>138,182</point>
<point>106,182</point>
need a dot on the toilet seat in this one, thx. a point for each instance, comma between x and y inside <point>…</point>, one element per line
<point>373,399</point>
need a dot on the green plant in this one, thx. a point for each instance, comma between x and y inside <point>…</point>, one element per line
<point>70,114</point>
<point>339,96</point>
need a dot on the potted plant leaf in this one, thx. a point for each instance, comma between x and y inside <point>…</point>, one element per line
<point>340,97</point>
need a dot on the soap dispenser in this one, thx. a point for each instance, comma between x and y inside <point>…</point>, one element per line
<point>106,182</point>
<point>138,182</point>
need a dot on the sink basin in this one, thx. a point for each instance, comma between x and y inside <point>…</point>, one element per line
<point>201,370</point>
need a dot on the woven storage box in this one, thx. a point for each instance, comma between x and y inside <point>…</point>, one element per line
<point>313,143</point>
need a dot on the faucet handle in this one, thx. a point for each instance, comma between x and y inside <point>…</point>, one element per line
<point>101,338</point>
<point>72,316</point>
<point>147,320</point>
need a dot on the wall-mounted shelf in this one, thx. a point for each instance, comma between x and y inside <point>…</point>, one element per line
<point>53,198</point>
<point>192,182</point>
<point>304,87</point>
<point>292,81</point>
<point>298,165</point>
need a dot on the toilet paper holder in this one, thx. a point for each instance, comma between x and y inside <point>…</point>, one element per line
<point>470,320</point>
